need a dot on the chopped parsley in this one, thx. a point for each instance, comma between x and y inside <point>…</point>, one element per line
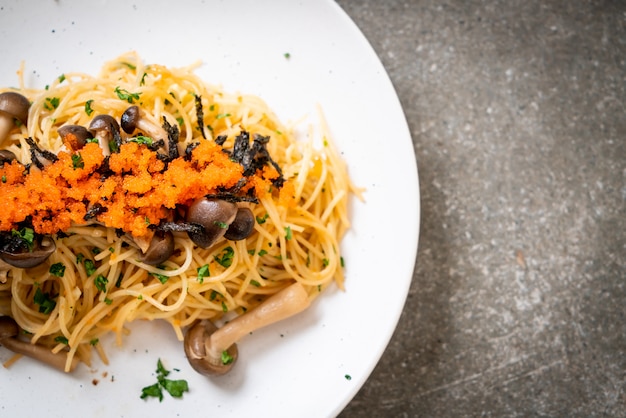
<point>88,109</point>
<point>57,269</point>
<point>142,140</point>
<point>255,283</point>
<point>222,225</point>
<point>90,267</point>
<point>94,341</point>
<point>4,179</point>
<point>288,233</point>
<point>203,272</point>
<point>61,78</point>
<point>27,235</point>
<point>61,339</point>
<point>261,220</point>
<point>348,377</point>
<point>124,94</point>
<point>77,161</point>
<point>51,103</point>
<point>226,258</point>
<point>226,358</point>
<point>101,282</point>
<point>222,115</point>
<point>45,301</point>
<point>162,277</point>
<point>175,388</point>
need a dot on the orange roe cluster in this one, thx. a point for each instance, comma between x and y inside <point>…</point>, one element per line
<point>137,191</point>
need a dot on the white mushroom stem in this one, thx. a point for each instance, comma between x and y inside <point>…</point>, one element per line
<point>150,128</point>
<point>37,352</point>
<point>103,138</point>
<point>282,305</point>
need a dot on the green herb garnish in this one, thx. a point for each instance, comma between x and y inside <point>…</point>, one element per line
<point>51,103</point>
<point>90,267</point>
<point>203,272</point>
<point>88,109</point>
<point>261,220</point>
<point>77,161</point>
<point>175,388</point>
<point>226,358</point>
<point>222,225</point>
<point>61,339</point>
<point>45,301</point>
<point>27,235</point>
<point>57,269</point>
<point>101,282</point>
<point>162,277</point>
<point>142,140</point>
<point>226,259</point>
<point>124,94</point>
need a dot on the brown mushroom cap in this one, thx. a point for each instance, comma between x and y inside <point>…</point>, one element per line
<point>214,215</point>
<point>160,249</point>
<point>43,248</point>
<point>76,135</point>
<point>196,350</point>
<point>9,339</point>
<point>129,119</point>
<point>242,226</point>
<point>6,156</point>
<point>15,106</point>
<point>105,129</point>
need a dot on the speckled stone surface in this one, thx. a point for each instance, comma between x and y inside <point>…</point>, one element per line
<point>517,110</point>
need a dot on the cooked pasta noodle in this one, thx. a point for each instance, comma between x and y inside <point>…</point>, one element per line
<point>104,285</point>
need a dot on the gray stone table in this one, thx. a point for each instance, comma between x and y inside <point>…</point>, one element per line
<point>517,111</point>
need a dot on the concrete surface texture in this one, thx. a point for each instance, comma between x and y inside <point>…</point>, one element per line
<point>517,114</point>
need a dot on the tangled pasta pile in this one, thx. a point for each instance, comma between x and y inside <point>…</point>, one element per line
<point>144,193</point>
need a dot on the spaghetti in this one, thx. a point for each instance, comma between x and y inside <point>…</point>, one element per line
<point>103,202</point>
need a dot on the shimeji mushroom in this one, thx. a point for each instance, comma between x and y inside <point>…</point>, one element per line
<point>13,106</point>
<point>9,338</point>
<point>22,257</point>
<point>106,130</point>
<point>135,119</point>
<point>213,351</point>
<point>242,226</point>
<point>75,135</point>
<point>214,215</point>
<point>161,247</point>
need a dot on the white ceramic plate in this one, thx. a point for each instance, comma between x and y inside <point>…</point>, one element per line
<point>310,365</point>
